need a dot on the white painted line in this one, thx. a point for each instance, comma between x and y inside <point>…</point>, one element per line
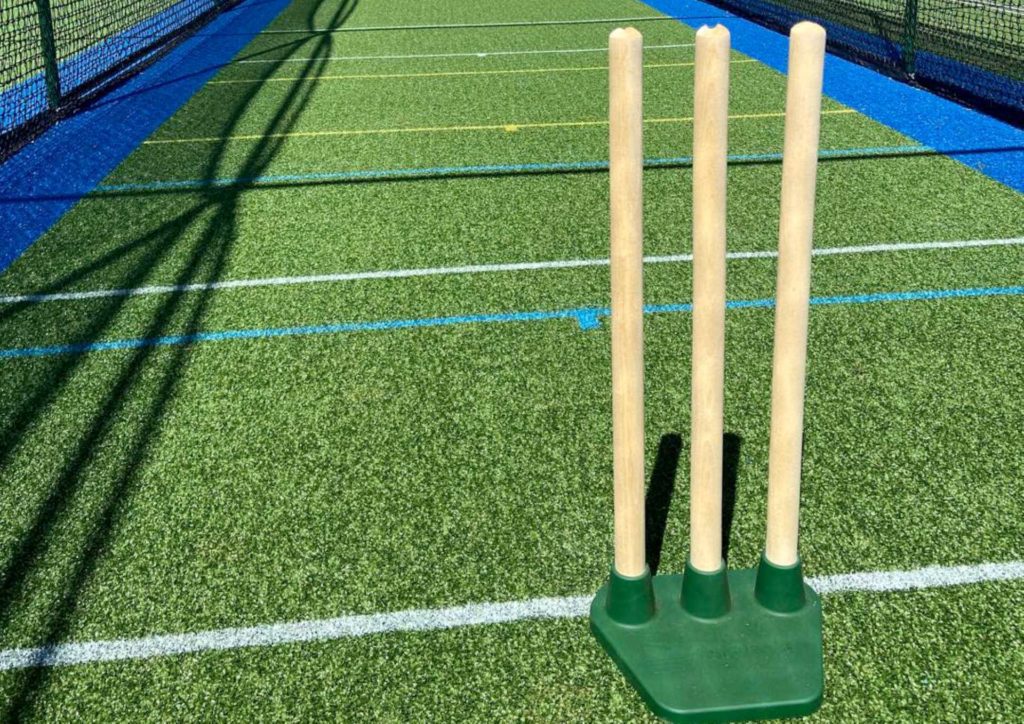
<point>479,269</point>
<point>301,631</point>
<point>455,26</point>
<point>314,279</point>
<point>930,577</point>
<point>920,246</point>
<point>446,618</point>
<point>478,54</point>
<point>476,269</point>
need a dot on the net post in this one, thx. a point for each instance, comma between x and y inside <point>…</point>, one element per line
<point>796,229</point>
<point>710,149</point>
<point>909,50</point>
<point>49,50</point>
<point>625,51</point>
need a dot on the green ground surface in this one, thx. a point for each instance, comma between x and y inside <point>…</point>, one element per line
<point>239,483</point>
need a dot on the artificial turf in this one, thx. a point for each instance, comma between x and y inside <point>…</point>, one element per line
<point>238,483</point>
<point>885,670</point>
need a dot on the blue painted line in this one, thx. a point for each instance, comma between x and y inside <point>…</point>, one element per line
<point>921,296</point>
<point>356,175</point>
<point>341,328</point>
<point>925,117</point>
<point>444,171</point>
<point>80,151</point>
<point>588,318</point>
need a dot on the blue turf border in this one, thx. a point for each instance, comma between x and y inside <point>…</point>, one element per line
<point>923,116</point>
<point>80,151</point>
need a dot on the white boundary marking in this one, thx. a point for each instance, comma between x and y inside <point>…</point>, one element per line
<point>479,54</point>
<point>929,577</point>
<point>446,618</point>
<point>478,269</point>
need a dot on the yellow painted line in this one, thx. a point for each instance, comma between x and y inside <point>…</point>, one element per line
<point>447,74</point>
<point>507,127</point>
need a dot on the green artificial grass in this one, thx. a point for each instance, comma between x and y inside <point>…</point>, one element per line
<point>241,483</point>
<point>886,669</point>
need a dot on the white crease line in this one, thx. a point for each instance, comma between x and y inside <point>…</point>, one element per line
<point>446,618</point>
<point>930,577</point>
<point>478,269</point>
<point>479,54</point>
<point>297,632</point>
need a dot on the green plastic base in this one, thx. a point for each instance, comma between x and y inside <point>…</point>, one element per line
<point>749,656</point>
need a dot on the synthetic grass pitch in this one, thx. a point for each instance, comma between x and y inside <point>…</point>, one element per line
<point>238,483</point>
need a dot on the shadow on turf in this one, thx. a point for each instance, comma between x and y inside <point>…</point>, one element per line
<point>662,487</point>
<point>48,564</point>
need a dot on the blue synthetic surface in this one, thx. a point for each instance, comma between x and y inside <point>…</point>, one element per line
<point>976,140</point>
<point>79,152</point>
<point>588,318</point>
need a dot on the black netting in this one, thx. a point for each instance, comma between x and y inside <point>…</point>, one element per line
<point>972,50</point>
<point>54,54</point>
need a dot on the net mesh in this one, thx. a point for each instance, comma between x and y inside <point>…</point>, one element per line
<point>54,54</point>
<point>972,50</point>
